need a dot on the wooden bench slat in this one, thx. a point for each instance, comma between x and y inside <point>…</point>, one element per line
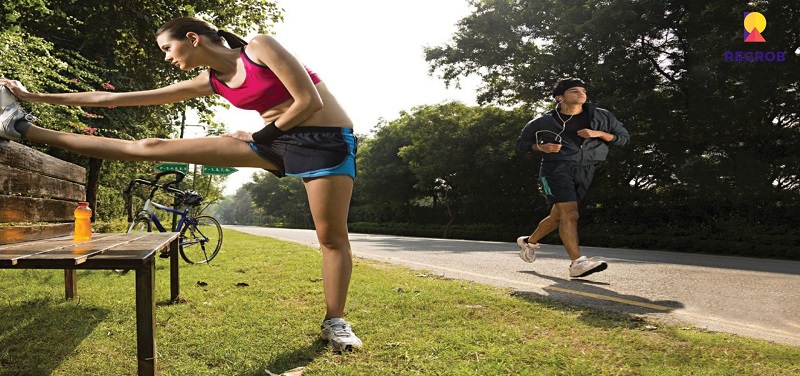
<point>15,181</point>
<point>15,155</point>
<point>26,209</point>
<point>48,244</point>
<point>16,234</point>
<point>63,258</point>
<point>152,241</point>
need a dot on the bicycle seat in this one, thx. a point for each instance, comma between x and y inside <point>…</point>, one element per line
<point>191,198</point>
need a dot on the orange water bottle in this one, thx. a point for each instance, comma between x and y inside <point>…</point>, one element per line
<point>83,222</point>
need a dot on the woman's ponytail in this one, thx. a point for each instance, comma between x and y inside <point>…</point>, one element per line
<point>234,41</point>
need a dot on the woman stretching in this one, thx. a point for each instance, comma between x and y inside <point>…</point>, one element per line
<point>307,134</point>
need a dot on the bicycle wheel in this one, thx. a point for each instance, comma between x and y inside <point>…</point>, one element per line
<point>201,239</point>
<point>142,224</point>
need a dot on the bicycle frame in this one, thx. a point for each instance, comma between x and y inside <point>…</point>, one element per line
<point>184,214</point>
<point>184,221</point>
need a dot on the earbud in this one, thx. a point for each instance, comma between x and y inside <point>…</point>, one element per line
<point>558,102</point>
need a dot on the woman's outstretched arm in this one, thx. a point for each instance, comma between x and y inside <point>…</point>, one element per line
<point>180,91</point>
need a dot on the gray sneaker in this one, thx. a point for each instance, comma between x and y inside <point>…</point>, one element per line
<point>582,266</point>
<point>339,335</point>
<point>527,251</point>
<point>11,114</point>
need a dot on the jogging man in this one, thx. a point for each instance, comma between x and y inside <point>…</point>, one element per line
<point>573,139</point>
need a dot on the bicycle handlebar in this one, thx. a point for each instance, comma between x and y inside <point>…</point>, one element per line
<point>179,176</point>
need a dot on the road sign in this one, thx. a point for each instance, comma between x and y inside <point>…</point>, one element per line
<point>214,170</point>
<point>182,167</point>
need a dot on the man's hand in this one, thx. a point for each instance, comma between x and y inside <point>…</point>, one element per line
<point>547,148</point>
<point>590,133</point>
<point>241,136</point>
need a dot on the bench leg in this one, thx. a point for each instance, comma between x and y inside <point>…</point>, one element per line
<point>70,284</point>
<point>174,282</point>
<point>145,318</point>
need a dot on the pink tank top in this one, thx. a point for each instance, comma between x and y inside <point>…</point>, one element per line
<point>261,89</point>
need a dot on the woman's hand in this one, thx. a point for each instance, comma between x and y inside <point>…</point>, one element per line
<point>241,136</point>
<point>16,88</point>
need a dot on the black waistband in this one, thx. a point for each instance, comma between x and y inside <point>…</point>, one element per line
<point>301,129</point>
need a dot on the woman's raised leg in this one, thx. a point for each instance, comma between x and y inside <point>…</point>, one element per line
<point>217,151</point>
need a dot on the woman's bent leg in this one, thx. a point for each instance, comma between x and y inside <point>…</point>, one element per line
<point>329,199</point>
<point>217,151</point>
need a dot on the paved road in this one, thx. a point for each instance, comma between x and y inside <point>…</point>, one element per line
<point>748,297</point>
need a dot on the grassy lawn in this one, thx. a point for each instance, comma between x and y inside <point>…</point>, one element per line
<point>258,307</point>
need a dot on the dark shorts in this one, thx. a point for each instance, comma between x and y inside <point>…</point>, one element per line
<point>564,182</point>
<point>311,152</point>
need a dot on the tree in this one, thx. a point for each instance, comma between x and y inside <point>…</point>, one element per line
<point>384,188</point>
<point>448,163</point>
<point>238,210</point>
<point>283,201</point>
<point>711,139</point>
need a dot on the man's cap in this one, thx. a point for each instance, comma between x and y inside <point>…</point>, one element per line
<point>566,84</point>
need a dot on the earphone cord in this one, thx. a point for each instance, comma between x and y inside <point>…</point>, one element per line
<point>564,123</point>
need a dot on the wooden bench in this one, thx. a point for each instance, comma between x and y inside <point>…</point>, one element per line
<point>38,194</point>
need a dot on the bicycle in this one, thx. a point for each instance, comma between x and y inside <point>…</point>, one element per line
<point>201,235</point>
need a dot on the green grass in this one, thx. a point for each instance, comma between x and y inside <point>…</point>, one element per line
<point>410,325</point>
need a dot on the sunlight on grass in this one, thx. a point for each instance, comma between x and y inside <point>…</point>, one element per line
<point>257,308</point>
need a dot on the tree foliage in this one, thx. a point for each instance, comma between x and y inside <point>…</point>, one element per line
<point>282,201</point>
<point>67,45</point>
<point>239,210</point>
<point>467,151</point>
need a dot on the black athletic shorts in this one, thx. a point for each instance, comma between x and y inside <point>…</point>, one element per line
<point>310,152</point>
<point>565,182</point>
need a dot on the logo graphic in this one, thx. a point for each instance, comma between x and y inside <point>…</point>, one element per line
<point>754,25</point>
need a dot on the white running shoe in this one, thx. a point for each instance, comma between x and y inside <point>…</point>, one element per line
<point>6,98</point>
<point>527,251</point>
<point>582,266</point>
<point>339,335</point>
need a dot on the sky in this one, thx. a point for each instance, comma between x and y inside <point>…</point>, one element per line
<point>370,54</point>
